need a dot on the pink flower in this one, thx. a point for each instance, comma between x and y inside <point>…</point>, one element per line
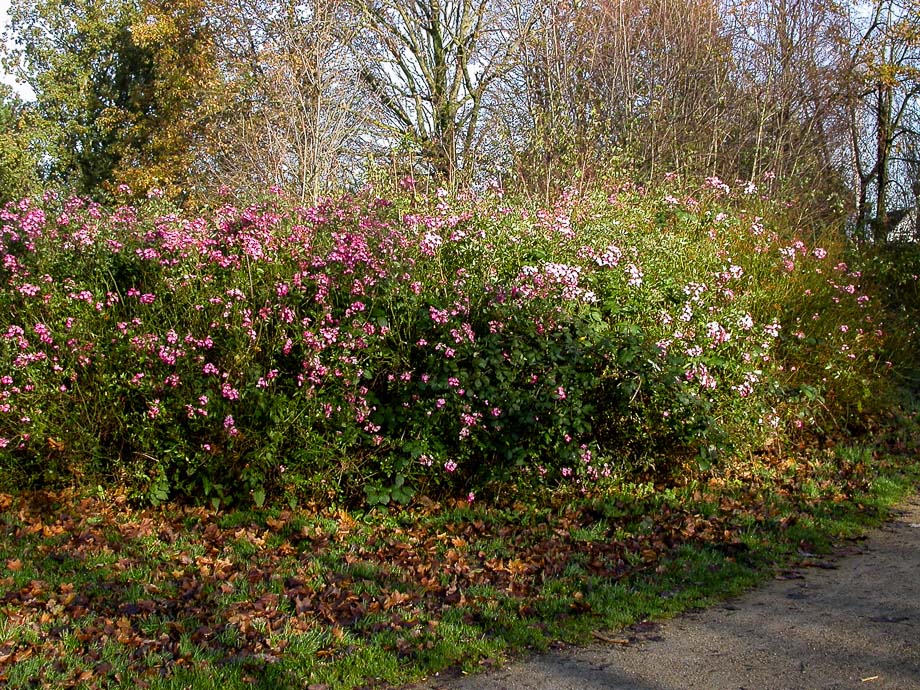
<point>560,393</point>
<point>450,466</point>
<point>230,426</point>
<point>717,333</point>
<point>635,275</point>
<point>438,315</point>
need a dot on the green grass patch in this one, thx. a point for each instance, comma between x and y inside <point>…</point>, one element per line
<point>99,594</point>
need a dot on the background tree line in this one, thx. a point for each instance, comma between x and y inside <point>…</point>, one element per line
<point>315,95</point>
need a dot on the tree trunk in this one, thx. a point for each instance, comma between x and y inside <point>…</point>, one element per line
<point>883,152</point>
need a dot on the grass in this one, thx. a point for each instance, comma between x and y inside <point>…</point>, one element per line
<point>98,594</point>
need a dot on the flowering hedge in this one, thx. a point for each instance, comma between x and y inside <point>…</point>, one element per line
<point>370,348</point>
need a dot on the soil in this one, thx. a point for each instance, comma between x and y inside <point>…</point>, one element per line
<point>851,620</point>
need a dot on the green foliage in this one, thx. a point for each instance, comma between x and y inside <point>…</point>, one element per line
<point>373,350</point>
<point>18,158</point>
<point>89,79</point>
<point>894,271</point>
<point>114,81</point>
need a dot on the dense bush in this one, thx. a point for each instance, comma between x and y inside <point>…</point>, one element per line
<point>894,274</point>
<point>369,348</point>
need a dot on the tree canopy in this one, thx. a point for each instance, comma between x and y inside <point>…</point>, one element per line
<point>114,81</point>
<point>312,95</point>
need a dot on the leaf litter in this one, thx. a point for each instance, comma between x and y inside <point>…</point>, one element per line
<point>176,587</point>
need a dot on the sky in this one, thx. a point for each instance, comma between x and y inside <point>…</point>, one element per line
<point>4,17</point>
<point>23,91</point>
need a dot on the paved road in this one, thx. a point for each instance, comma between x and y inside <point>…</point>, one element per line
<point>853,624</point>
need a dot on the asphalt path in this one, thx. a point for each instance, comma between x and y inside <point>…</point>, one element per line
<point>851,620</point>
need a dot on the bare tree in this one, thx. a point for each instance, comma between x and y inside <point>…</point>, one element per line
<point>642,79</point>
<point>433,66</point>
<point>293,112</point>
<point>549,120</point>
<point>885,108</point>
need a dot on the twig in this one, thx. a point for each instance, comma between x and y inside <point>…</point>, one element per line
<point>610,640</point>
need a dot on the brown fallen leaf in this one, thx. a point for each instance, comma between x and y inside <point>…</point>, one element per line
<point>395,599</point>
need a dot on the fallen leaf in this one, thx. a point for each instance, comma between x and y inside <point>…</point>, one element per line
<point>395,598</point>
